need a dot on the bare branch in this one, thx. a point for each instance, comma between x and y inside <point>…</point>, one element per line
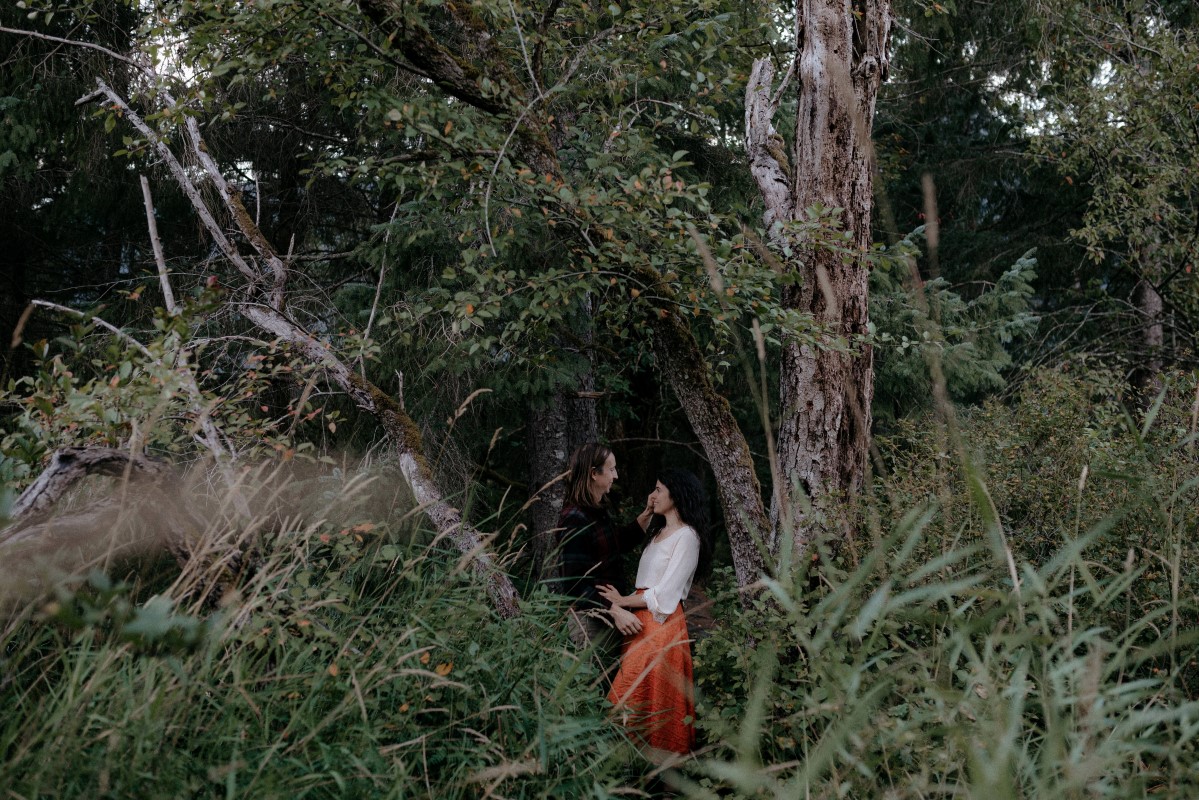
<point>237,210</point>
<point>168,295</point>
<point>366,334</point>
<point>181,178</point>
<point>520,36</point>
<point>271,317</point>
<point>73,43</point>
<point>409,449</point>
<point>108,326</point>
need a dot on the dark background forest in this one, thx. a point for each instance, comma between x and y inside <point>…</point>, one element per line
<point>322,294</point>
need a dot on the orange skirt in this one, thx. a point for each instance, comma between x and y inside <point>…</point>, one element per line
<point>653,692</point>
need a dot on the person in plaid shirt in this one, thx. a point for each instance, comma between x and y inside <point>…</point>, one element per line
<point>590,548</point>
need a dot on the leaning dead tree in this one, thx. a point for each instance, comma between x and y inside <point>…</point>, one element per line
<point>841,59</point>
<point>262,300</point>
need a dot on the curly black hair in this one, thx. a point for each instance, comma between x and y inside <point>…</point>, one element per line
<point>691,502</point>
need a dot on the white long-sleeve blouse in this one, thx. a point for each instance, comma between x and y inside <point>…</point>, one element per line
<point>666,569</point>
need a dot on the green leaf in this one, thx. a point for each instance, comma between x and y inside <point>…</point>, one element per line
<point>152,620</point>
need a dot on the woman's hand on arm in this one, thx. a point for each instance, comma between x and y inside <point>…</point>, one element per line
<point>609,593</point>
<point>625,621</point>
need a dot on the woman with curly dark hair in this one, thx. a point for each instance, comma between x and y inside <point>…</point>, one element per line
<point>653,691</point>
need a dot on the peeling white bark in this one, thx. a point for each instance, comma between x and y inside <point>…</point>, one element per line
<point>825,394</point>
<point>765,147</point>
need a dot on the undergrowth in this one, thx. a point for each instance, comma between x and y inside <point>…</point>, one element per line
<point>1012,628</point>
<point>355,661</point>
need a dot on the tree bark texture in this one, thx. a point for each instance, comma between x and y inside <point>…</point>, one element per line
<point>549,450</point>
<point>682,363</point>
<point>557,427</point>
<point>826,393</point>
<point>70,465</point>
<point>1147,376</point>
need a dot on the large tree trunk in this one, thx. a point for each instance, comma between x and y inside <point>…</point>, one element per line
<point>556,429</point>
<point>1147,376</point>
<point>825,392</point>
<point>682,363</point>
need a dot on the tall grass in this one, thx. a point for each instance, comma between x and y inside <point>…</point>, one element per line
<point>356,660</point>
<point>1025,631</point>
<point>915,678</point>
<point>353,656</point>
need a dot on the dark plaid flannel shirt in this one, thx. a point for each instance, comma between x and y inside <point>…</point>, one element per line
<point>591,550</point>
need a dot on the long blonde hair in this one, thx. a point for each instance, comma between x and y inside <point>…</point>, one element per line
<point>583,460</point>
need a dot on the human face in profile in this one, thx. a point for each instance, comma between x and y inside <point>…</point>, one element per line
<point>661,500</point>
<point>603,477</point>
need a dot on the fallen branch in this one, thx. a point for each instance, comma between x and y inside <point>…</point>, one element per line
<point>69,466</point>
<point>115,524</point>
<point>146,512</point>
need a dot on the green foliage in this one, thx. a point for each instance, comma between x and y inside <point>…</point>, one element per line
<point>915,674</point>
<point>1123,115</point>
<point>1120,117</point>
<point>1036,448</point>
<point>972,336</point>
<point>960,109</point>
<point>921,667</point>
<point>358,658</point>
<point>92,387</point>
<point>71,218</point>
<point>354,657</point>
<point>153,627</point>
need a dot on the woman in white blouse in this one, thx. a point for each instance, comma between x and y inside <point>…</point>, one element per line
<point>653,690</point>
